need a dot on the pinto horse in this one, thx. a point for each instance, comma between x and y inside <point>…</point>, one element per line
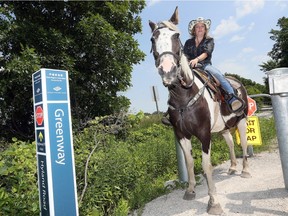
<point>192,109</point>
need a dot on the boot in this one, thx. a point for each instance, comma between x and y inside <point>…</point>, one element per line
<point>165,119</point>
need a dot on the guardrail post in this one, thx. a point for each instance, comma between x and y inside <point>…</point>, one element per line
<point>182,169</point>
<point>278,81</point>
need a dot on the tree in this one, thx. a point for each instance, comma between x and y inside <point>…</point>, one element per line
<point>93,40</point>
<point>279,52</point>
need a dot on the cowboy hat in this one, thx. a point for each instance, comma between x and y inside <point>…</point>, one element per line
<point>192,23</point>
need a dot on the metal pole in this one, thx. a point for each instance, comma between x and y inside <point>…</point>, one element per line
<point>278,81</point>
<point>155,98</point>
<point>182,169</point>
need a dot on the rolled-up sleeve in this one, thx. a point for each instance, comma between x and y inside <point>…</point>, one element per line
<point>208,46</point>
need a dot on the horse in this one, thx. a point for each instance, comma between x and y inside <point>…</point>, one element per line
<point>193,110</point>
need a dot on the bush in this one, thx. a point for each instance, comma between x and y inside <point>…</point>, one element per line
<point>122,171</point>
<point>18,180</point>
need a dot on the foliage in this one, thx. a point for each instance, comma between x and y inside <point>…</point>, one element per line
<point>93,40</point>
<point>18,180</point>
<point>122,173</point>
<point>279,52</point>
<point>121,170</point>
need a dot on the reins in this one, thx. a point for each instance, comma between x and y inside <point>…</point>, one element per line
<point>191,101</point>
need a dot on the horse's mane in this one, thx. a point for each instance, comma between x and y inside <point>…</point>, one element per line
<point>169,25</point>
<point>185,66</point>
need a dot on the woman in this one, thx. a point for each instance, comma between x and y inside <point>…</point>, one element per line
<point>199,48</point>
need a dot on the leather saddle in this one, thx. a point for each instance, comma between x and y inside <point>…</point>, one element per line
<point>216,91</point>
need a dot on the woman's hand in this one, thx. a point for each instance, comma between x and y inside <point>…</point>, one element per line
<point>194,62</point>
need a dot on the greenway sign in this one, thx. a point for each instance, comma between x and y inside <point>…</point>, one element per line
<point>54,143</point>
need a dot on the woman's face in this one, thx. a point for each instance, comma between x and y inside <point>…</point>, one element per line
<point>200,29</point>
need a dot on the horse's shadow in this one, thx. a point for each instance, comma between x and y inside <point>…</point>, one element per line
<point>247,198</point>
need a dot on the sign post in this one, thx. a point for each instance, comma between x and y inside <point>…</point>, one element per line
<point>54,143</point>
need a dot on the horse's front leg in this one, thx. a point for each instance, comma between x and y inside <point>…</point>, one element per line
<point>214,206</point>
<point>186,147</point>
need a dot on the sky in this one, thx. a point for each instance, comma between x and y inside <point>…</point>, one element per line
<point>241,34</point>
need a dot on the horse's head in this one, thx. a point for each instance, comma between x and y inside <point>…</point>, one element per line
<point>166,48</point>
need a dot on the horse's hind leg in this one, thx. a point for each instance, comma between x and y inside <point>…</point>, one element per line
<point>229,140</point>
<point>186,147</point>
<point>242,127</point>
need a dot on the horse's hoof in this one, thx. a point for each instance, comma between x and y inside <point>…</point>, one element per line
<point>215,209</point>
<point>231,171</point>
<point>245,174</point>
<point>189,195</point>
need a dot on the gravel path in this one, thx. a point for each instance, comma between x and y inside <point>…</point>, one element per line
<point>263,194</point>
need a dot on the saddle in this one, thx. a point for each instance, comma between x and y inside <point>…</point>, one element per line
<point>216,91</point>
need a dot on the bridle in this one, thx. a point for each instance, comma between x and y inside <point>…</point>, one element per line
<point>176,56</point>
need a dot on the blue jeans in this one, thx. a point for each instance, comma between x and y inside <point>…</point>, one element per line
<point>223,81</point>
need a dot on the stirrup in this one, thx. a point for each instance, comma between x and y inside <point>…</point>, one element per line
<point>241,108</point>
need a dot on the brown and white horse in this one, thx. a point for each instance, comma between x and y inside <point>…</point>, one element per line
<point>192,110</point>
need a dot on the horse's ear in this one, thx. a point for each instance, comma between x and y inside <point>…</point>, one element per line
<point>174,18</point>
<point>152,25</point>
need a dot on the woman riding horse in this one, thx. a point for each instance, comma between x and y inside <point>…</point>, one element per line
<point>193,109</point>
<point>199,48</point>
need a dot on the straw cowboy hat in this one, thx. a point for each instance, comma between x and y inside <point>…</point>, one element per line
<point>192,23</point>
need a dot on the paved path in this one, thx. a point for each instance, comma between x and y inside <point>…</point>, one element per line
<point>263,194</point>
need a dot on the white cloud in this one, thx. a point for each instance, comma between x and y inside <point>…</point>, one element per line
<point>251,26</point>
<point>152,2</point>
<point>244,8</point>
<point>236,38</point>
<point>226,27</point>
<point>259,59</point>
<point>282,4</point>
<point>247,50</point>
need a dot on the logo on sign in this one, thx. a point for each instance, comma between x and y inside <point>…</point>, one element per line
<point>39,115</point>
<point>57,88</point>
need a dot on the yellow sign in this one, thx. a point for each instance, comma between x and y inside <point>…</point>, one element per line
<point>253,132</point>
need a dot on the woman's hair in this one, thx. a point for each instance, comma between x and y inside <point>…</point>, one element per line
<point>194,33</point>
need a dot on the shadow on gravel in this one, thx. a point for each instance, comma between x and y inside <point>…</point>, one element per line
<point>247,198</point>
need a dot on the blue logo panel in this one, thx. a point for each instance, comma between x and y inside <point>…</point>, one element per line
<point>56,82</point>
<point>61,159</point>
<point>37,87</point>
